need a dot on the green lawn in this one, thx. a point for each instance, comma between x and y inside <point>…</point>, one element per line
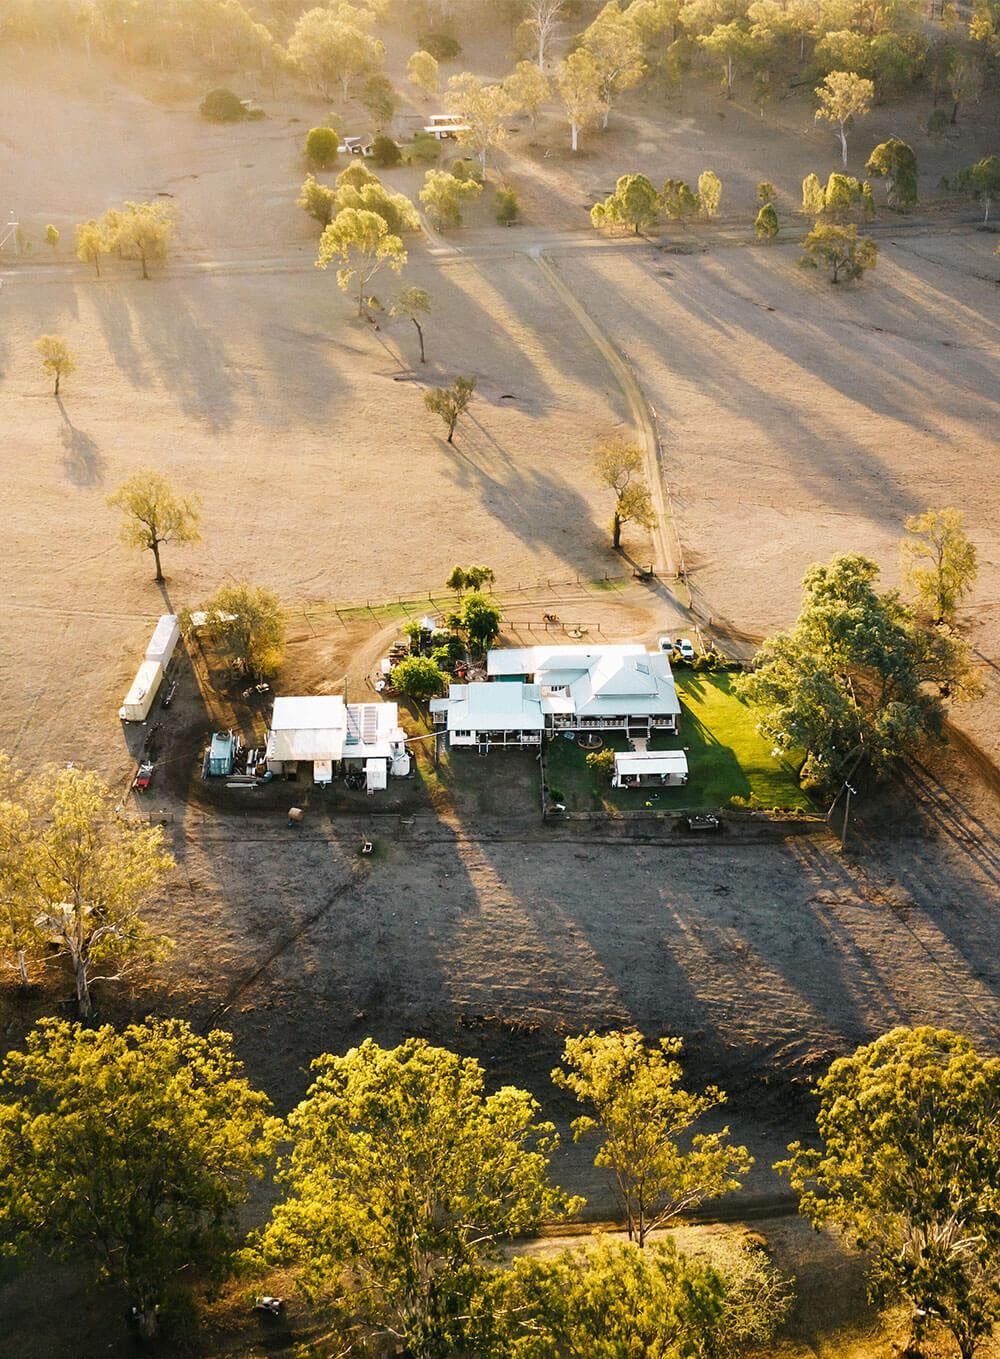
<point>726,756</point>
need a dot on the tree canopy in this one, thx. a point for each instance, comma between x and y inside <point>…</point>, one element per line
<point>939,562</point>
<point>129,1151</point>
<point>451,402</point>
<point>844,96</point>
<point>362,243</point>
<point>854,677</point>
<point>908,1167</point>
<point>578,79</point>
<point>635,204</point>
<point>57,358</point>
<point>444,195</point>
<point>894,161</point>
<point>639,1112</point>
<point>250,624</point>
<point>403,1179</point>
<point>839,248</point>
<point>418,677</point>
<point>480,622</point>
<point>76,876</point>
<point>620,467</point>
<point>153,514</point>
<point>484,107</point>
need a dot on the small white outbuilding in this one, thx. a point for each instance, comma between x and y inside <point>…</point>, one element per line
<point>649,768</point>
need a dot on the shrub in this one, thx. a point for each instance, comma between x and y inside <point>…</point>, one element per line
<point>385,152</point>
<point>442,46</point>
<point>937,123</point>
<point>222,106</point>
<point>52,235</point>
<point>321,147</point>
<point>508,208</point>
<point>467,171</point>
<point>602,762</point>
<point>423,148</point>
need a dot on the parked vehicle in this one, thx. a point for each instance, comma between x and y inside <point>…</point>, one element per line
<point>356,146</point>
<point>684,649</point>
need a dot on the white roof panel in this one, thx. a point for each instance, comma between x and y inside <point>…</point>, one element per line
<point>651,762</point>
<point>315,711</point>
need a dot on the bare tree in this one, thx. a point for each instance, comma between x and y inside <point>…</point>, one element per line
<point>543,16</point>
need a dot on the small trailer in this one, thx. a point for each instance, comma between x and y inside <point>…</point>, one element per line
<point>143,776</point>
<point>140,696</point>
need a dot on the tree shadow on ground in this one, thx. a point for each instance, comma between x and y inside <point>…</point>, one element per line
<point>82,457</point>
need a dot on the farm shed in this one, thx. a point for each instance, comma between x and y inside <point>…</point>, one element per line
<point>324,731</point>
<point>648,768</point>
<point>139,698</point>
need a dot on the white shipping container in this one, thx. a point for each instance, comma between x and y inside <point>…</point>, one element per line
<point>139,698</point>
<point>164,639</point>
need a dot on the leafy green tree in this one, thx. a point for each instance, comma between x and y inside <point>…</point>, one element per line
<point>469,578</point>
<point>413,303</point>
<point>80,873</point>
<point>766,225</point>
<point>639,1112</point>
<point>898,61</point>
<point>57,358</point>
<point>843,49</point>
<point>895,162</point>
<point>141,231</point>
<point>578,79</point>
<point>844,97</point>
<point>507,207</point>
<point>362,244</point>
<point>18,937</point>
<point>444,195</point>
<point>813,196</point>
<point>422,71</point>
<point>484,108</point>
<point>91,243</point>
<point>155,514</point>
<point>528,88</point>
<point>614,43</point>
<point>222,106</point>
<point>131,1152</point>
<point>908,1169</point>
<point>839,249</point>
<point>730,44</point>
<point>378,96</point>
<point>709,192</point>
<point>451,402</point>
<point>620,467</point>
<point>939,563</point>
<point>634,204</point>
<point>52,235</point>
<point>853,677</point>
<point>321,147</point>
<point>608,1301</point>
<point>318,200</point>
<point>386,152</point>
<point>679,200</point>
<point>403,1180</point>
<point>982,181</point>
<point>481,620</point>
<point>418,677</point>
<point>249,623</point>
<point>766,192</point>
<point>396,210</point>
<point>328,45</point>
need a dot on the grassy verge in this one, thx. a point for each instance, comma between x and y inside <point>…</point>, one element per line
<point>726,755</point>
